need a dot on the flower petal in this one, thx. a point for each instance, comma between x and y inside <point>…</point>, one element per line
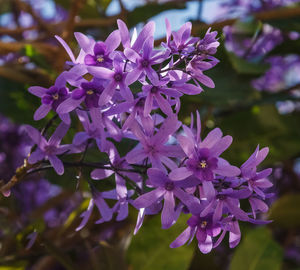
<point>37,91</point>
<point>41,112</point>
<point>168,211</point>
<point>67,48</point>
<point>147,31</point>
<point>206,246</point>
<point>136,156</point>
<point>98,174</point>
<point>113,41</point>
<point>58,134</point>
<point>225,169</point>
<point>85,43</point>
<point>190,201</point>
<point>149,198</point>
<point>57,164</point>
<point>100,72</point>
<point>180,174</point>
<point>182,238</point>
<point>68,105</point>
<point>211,138</point>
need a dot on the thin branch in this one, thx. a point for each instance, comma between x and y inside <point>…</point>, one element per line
<point>28,169</point>
<point>21,173</point>
<point>41,47</point>
<point>88,165</point>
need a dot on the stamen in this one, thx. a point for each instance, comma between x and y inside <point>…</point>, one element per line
<point>55,96</point>
<point>100,58</point>
<point>90,92</point>
<point>203,224</point>
<point>202,164</point>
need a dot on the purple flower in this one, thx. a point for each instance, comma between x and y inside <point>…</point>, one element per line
<point>102,51</point>
<point>166,189</point>
<point>278,77</point>
<point>118,163</point>
<point>84,42</point>
<point>257,181</point>
<point>231,225</point>
<point>203,159</point>
<point>204,228</point>
<point>154,93</point>
<point>98,128</point>
<point>88,92</point>
<point>209,44</point>
<point>136,111</point>
<point>144,62</point>
<point>116,79</point>
<point>51,98</point>
<point>92,131</point>
<point>121,206</point>
<point>250,6</point>
<point>98,200</point>
<point>197,74</point>
<point>227,201</point>
<point>179,81</point>
<point>257,205</point>
<point>135,44</point>
<point>153,146</point>
<point>182,41</point>
<point>153,209</point>
<point>48,149</point>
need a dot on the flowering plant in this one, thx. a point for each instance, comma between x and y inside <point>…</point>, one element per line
<point>126,89</point>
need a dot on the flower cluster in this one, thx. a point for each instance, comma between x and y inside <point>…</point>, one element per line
<point>257,46</point>
<point>250,6</point>
<point>281,74</point>
<point>133,94</point>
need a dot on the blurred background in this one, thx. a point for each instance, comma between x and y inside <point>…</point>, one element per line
<point>256,100</point>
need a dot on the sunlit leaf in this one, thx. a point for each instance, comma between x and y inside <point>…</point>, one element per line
<point>285,211</point>
<point>257,251</point>
<point>150,247</point>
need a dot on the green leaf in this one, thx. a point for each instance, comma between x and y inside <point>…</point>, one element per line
<point>247,26</point>
<point>286,48</point>
<point>150,247</point>
<point>35,57</point>
<point>258,251</point>
<point>232,89</point>
<point>261,125</point>
<point>21,265</point>
<point>205,261</point>
<point>285,211</point>
<point>16,102</point>
<point>5,6</point>
<point>243,66</point>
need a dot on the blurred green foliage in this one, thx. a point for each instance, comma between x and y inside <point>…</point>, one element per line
<point>149,249</point>
<point>258,251</point>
